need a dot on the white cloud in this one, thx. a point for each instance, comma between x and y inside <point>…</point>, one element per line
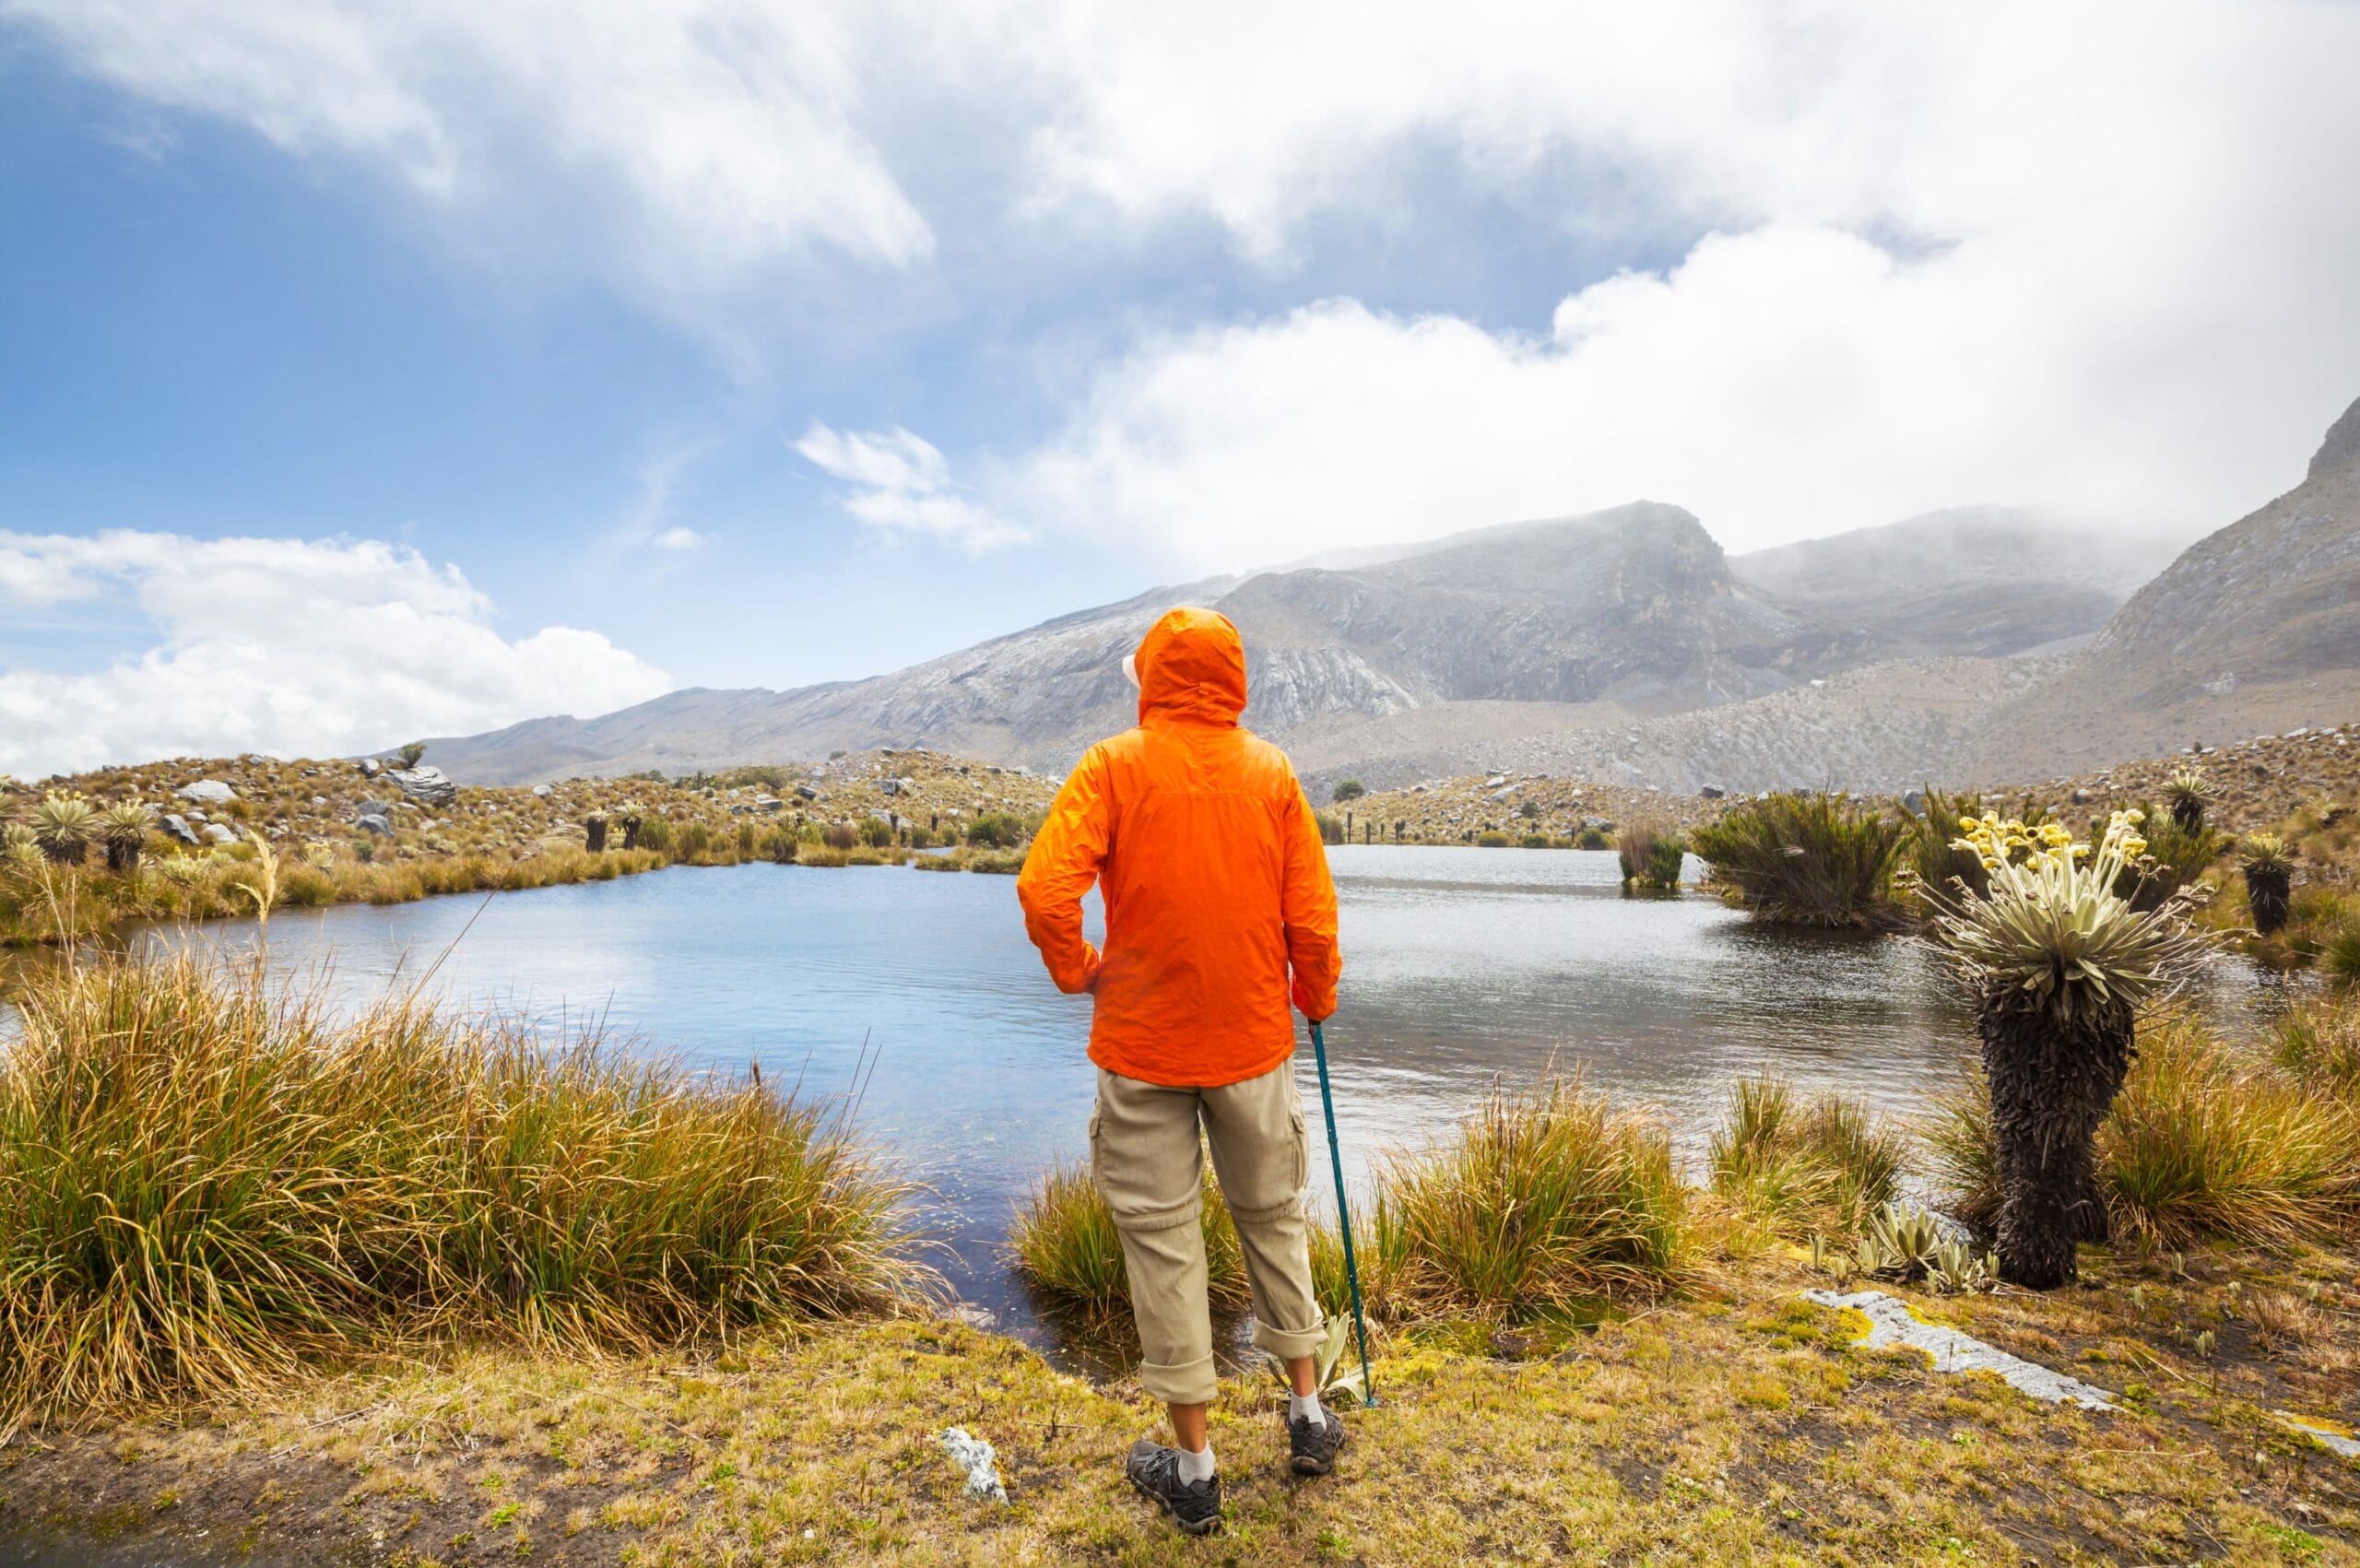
<point>298,647</point>
<point>2082,257</point>
<point>703,138</point>
<point>903,486</point>
<point>677,539</point>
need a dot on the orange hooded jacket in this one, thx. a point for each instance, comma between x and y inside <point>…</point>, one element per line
<point>1215,880</point>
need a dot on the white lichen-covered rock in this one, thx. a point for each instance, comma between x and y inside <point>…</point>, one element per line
<point>1953,1350</point>
<point>207,792</point>
<point>426,782</point>
<point>220,833</point>
<point>976,1458</point>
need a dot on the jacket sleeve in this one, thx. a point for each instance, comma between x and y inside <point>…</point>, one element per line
<point>1308,907</point>
<point>1062,862</point>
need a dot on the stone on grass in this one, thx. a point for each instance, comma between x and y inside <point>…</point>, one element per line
<point>176,826</point>
<point>220,833</point>
<point>207,792</point>
<point>426,782</point>
<point>1892,1323</point>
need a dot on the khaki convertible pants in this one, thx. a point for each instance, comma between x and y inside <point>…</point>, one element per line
<point>1145,1153</point>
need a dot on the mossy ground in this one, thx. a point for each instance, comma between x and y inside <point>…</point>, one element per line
<point>1736,1425</point>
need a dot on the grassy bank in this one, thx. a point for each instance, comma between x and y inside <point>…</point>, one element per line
<point>1735,1425</point>
<point>206,1183</point>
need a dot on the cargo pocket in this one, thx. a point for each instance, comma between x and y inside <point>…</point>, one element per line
<point>1094,1175</point>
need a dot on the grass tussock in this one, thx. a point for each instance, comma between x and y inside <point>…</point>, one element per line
<point>1652,854</point>
<point>1544,1199</point>
<point>1822,1166</point>
<point>1809,859</point>
<point>2205,1143</point>
<point>204,1182</point>
<point>1064,1241</point>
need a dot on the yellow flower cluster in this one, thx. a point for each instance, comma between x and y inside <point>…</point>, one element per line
<point>1996,841</point>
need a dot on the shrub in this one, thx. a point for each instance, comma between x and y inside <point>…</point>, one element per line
<point>840,835</point>
<point>2059,963</point>
<point>1332,827</point>
<point>876,833</point>
<point>1824,1167</point>
<point>1808,859</point>
<point>1064,1241</point>
<point>997,830</point>
<point>1533,841</point>
<point>1492,838</point>
<point>1652,854</point>
<point>1543,1198</point>
<point>2201,1144</point>
<point>204,1178</point>
<point>2176,855</point>
<point>1938,860</point>
<point>694,841</point>
<point>655,834</point>
<point>2268,865</point>
<point>1351,789</point>
<point>1591,838</point>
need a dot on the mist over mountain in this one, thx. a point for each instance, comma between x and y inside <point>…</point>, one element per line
<point>1626,645</point>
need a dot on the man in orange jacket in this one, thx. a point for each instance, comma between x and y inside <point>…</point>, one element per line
<point>1219,911</point>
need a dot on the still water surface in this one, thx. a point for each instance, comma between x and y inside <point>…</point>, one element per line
<point>1461,965</point>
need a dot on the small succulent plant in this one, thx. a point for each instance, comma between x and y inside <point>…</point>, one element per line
<point>1347,1389</point>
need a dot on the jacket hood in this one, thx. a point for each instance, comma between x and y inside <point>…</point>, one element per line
<point>1192,666</point>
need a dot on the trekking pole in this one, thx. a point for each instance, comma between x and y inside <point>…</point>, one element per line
<point>1343,1210</point>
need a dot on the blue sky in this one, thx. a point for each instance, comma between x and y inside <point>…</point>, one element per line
<point>367,372</point>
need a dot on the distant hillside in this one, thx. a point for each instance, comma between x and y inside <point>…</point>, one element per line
<point>2254,628</point>
<point>1981,642</point>
<point>1980,582</point>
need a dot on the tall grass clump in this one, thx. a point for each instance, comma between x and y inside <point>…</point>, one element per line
<point>1823,1166</point>
<point>1546,1198</point>
<point>205,1181</point>
<point>1064,1241</point>
<point>1652,854</point>
<point>2202,1143</point>
<point>1937,858</point>
<point>1805,859</point>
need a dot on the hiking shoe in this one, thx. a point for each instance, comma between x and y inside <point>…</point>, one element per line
<point>1312,1446</point>
<point>1194,1506</point>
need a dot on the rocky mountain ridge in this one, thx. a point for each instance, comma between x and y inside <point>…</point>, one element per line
<point>1980,642</point>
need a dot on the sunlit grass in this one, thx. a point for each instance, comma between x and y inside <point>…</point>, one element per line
<point>1823,1165</point>
<point>203,1182</point>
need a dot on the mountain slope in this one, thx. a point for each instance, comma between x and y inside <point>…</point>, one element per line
<point>1981,582</point>
<point>2253,628</point>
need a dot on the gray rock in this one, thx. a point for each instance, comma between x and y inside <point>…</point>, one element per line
<point>371,767</point>
<point>1714,792</point>
<point>383,827</point>
<point>805,792</point>
<point>770,803</point>
<point>218,834</point>
<point>318,801</point>
<point>543,791</point>
<point>176,826</point>
<point>889,786</point>
<point>198,817</point>
<point>1913,802</point>
<point>424,783</point>
<point>2082,797</point>
<point>207,792</point>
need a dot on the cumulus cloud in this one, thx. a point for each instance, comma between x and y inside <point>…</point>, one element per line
<point>2069,255</point>
<point>298,647</point>
<point>903,485</point>
<point>678,540</point>
<point>704,138</point>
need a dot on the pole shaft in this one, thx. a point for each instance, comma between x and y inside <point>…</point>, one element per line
<point>1343,1209</point>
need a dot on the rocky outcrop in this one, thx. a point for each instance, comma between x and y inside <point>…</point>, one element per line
<point>427,784</point>
<point>207,792</point>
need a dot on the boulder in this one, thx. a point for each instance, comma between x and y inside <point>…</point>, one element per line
<point>176,826</point>
<point>805,792</point>
<point>770,803</point>
<point>220,833</point>
<point>426,782</point>
<point>1913,802</point>
<point>371,767</point>
<point>889,786</point>
<point>382,826</point>
<point>318,801</point>
<point>207,792</point>
<point>1714,792</point>
<point>543,791</point>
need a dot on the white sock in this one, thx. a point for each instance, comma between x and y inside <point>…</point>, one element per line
<point>1305,1408</point>
<point>1195,1467</point>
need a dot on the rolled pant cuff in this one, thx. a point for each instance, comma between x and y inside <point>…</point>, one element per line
<point>1288,1343</point>
<point>1190,1384</point>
